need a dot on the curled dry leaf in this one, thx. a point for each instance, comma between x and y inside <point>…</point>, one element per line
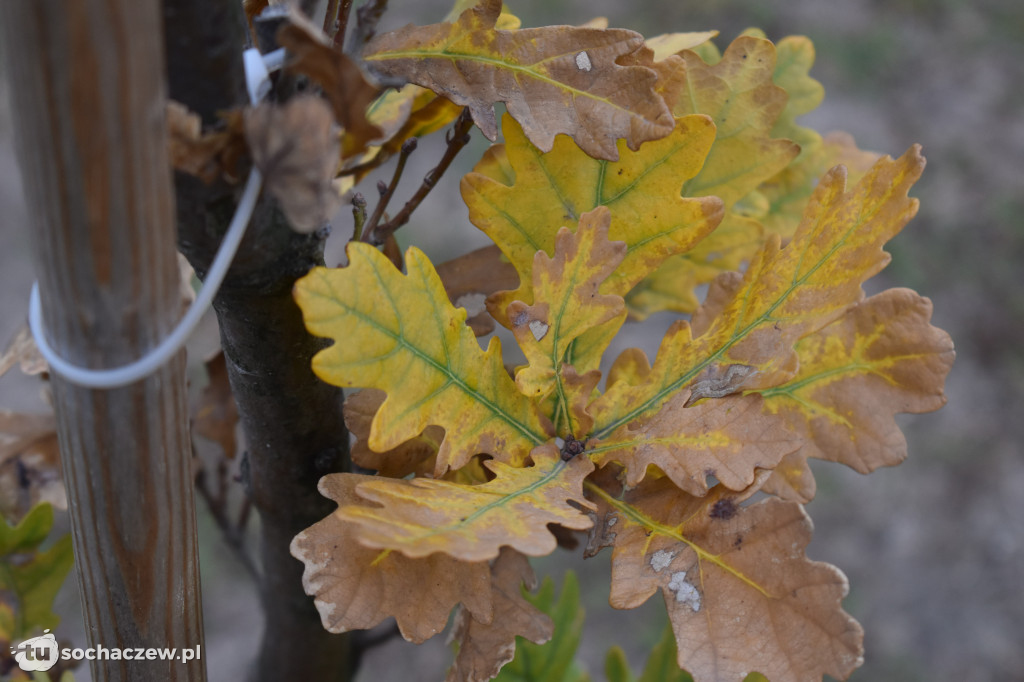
<point>29,464</point>
<point>485,647</point>
<point>295,146</point>
<point>881,358</point>
<point>740,593</point>
<point>557,79</point>
<point>356,587</point>
<point>208,156</point>
<point>338,75</point>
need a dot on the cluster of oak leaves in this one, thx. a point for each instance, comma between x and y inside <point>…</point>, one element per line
<point>631,173</point>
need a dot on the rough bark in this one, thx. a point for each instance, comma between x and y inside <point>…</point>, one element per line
<point>88,100</point>
<point>292,421</point>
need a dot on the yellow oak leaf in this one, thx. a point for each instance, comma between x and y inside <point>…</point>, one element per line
<point>668,44</point>
<point>744,103</point>
<point>785,295</point>
<point>553,80</point>
<point>881,358</point>
<point>421,516</point>
<point>566,287</point>
<point>740,593</point>
<point>727,439</point>
<point>428,362</point>
<point>359,587</point>
<point>552,190</point>
<point>485,647</point>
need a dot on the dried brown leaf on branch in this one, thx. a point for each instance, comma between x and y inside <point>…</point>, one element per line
<point>343,82</point>
<point>22,351</point>
<point>209,156</point>
<point>557,79</point>
<point>295,146</point>
<point>215,416</point>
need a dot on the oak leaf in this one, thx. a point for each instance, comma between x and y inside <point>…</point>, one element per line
<point>470,278</point>
<point>422,516</point>
<point>880,358</point>
<point>429,364</point>
<point>726,439</point>
<point>206,155</point>
<point>785,294</point>
<point>414,456</point>
<point>359,587</point>
<point>566,287</point>
<point>740,593</point>
<point>739,95</point>
<point>29,576</point>
<point>484,648</point>
<point>552,80</point>
<point>552,190</point>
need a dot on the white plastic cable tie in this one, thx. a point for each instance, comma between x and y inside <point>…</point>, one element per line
<point>257,76</point>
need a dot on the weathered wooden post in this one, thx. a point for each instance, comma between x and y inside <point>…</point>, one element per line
<point>88,96</point>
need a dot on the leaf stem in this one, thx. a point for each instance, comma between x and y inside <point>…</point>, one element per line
<point>458,137</point>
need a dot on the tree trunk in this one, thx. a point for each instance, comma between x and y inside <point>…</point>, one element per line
<point>87,86</point>
<point>292,421</point>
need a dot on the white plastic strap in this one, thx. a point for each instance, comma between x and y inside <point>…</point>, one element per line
<point>257,71</point>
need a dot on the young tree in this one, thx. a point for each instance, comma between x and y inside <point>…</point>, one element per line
<point>631,175</point>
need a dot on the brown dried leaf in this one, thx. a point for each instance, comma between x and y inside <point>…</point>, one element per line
<point>471,278</point>
<point>29,464</point>
<point>356,587</point>
<point>208,156</point>
<point>22,351</point>
<point>341,79</point>
<point>485,647</point>
<point>882,357</point>
<point>740,593</point>
<point>557,79</point>
<point>415,456</point>
<point>216,415</point>
<point>728,439</point>
<point>295,146</point>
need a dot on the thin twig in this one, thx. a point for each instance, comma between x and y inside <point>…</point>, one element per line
<point>331,18</point>
<point>342,24</point>
<point>457,138</point>
<point>358,215</point>
<point>234,539</point>
<point>388,191</point>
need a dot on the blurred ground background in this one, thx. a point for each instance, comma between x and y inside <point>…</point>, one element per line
<point>934,549</point>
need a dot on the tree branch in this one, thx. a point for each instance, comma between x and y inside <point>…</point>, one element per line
<point>457,139</point>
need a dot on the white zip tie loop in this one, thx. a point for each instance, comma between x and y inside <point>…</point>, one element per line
<point>257,72</point>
